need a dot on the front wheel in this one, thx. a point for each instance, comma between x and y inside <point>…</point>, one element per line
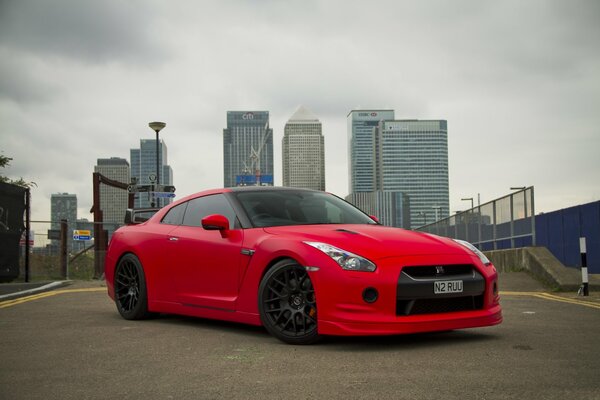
<point>287,303</point>
<point>131,295</point>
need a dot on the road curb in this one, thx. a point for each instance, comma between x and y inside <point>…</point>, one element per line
<point>50,286</point>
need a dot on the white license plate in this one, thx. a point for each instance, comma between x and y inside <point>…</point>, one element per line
<point>443,287</point>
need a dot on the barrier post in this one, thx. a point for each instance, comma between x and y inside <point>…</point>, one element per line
<point>584,272</point>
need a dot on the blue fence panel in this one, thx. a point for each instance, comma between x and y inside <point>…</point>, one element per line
<point>524,241</point>
<point>559,231</point>
<point>487,246</point>
<point>503,244</point>
<point>555,235</point>
<point>590,229</point>
<point>541,230</point>
<point>572,232</point>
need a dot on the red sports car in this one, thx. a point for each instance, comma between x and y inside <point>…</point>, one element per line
<point>301,263</point>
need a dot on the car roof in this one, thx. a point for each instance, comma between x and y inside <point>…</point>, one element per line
<point>267,189</point>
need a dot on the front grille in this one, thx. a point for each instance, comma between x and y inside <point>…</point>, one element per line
<point>416,294</point>
<point>442,305</point>
<point>435,271</point>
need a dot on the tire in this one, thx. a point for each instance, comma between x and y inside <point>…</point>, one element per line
<point>131,295</point>
<point>287,304</point>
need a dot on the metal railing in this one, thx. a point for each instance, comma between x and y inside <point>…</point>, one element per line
<point>507,222</point>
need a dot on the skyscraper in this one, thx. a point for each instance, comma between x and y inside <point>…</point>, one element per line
<point>63,206</point>
<point>143,167</point>
<point>412,158</point>
<point>390,207</point>
<point>113,201</point>
<point>408,157</point>
<point>361,154</point>
<point>247,149</point>
<point>303,151</point>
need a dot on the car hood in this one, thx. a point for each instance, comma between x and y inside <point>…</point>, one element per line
<point>372,241</point>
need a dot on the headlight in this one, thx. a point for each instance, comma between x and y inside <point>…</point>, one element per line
<point>475,250</point>
<point>345,259</point>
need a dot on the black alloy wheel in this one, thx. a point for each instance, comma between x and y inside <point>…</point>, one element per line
<point>130,288</point>
<point>287,303</point>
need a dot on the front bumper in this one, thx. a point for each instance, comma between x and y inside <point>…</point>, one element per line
<point>429,323</point>
<point>405,305</point>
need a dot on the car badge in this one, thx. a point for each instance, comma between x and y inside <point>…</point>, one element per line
<point>439,270</point>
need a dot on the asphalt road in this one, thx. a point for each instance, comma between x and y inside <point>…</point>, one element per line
<point>71,344</point>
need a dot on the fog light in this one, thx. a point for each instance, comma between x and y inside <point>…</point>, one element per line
<point>370,295</point>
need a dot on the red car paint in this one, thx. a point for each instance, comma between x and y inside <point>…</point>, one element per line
<point>216,274</point>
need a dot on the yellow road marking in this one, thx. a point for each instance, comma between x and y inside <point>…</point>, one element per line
<point>14,302</point>
<point>505,293</point>
<point>540,295</point>
<point>552,297</point>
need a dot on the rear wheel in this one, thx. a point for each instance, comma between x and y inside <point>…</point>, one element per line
<point>131,295</point>
<point>287,303</point>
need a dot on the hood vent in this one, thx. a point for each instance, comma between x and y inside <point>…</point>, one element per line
<point>347,231</point>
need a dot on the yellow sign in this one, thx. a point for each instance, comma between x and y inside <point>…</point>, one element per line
<point>82,234</point>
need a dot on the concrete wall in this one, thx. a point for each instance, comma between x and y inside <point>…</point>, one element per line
<point>540,262</point>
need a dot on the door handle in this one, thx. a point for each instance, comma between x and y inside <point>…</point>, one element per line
<point>173,239</point>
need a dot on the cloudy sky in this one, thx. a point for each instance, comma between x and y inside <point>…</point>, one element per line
<point>518,82</point>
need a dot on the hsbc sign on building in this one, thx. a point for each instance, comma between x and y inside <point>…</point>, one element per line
<point>372,115</point>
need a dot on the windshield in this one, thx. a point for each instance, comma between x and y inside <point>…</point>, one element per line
<point>289,207</point>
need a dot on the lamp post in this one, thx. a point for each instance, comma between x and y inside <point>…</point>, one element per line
<point>156,127</point>
<point>424,215</point>
<point>437,210</point>
<point>467,199</point>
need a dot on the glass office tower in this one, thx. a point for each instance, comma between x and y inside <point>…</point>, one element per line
<point>247,149</point>
<point>361,154</point>
<point>412,158</point>
<point>143,165</point>
<point>113,201</point>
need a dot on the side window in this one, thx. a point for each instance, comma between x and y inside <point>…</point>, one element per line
<point>213,204</point>
<point>175,215</point>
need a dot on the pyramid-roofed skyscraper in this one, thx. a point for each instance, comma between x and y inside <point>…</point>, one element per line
<point>303,151</point>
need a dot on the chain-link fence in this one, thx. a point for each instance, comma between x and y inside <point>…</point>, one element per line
<point>62,250</point>
<point>507,222</point>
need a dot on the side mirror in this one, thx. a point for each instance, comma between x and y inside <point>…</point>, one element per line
<point>374,218</point>
<point>216,222</point>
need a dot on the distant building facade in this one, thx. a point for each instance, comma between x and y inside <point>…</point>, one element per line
<point>247,149</point>
<point>303,148</point>
<point>113,201</point>
<point>412,158</point>
<point>63,206</point>
<point>391,208</point>
<point>409,157</point>
<point>143,166</point>
<point>361,145</point>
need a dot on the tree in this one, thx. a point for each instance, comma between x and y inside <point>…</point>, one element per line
<point>5,162</point>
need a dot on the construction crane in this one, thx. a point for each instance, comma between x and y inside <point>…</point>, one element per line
<point>254,163</point>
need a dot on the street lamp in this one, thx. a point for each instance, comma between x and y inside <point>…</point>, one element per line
<point>518,188</point>
<point>467,199</point>
<point>438,210</point>
<point>156,127</point>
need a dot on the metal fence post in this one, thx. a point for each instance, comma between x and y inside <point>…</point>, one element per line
<point>479,222</point>
<point>512,222</point>
<point>533,236</point>
<point>494,233</point>
<point>27,231</point>
<point>63,248</point>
